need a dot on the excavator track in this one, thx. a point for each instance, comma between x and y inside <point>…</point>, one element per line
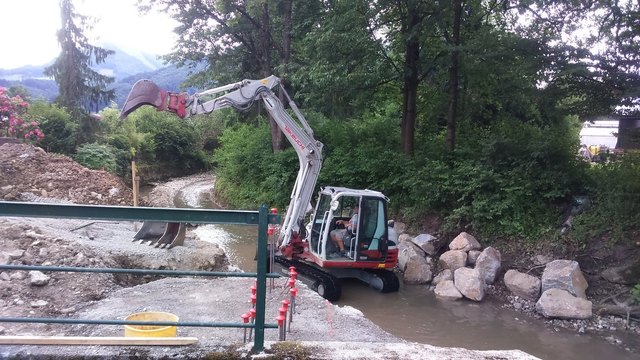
<point>325,284</point>
<point>389,280</point>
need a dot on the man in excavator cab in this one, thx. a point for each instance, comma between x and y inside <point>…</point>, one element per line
<point>342,237</point>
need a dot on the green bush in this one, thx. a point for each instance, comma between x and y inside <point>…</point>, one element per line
<point>97,156</point>
<point>249,173</point>
<point>614,190</point>
<point>56,123</point>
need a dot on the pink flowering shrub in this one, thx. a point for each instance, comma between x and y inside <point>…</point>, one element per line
<point>12,119</point>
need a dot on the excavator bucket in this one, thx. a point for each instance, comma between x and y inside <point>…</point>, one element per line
<point>144,92</point>
<point>159,234</point>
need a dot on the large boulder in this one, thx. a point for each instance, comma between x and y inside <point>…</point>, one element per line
<point>444,275</point>
<point>565,275</point>
<point>464,242</point>
<point>453,259</point>
<point>447,290</point>
<point>625,275</point>
<point>407,250</point>
<point>470,283</point>
<point>419,270</point>
<point>559,303</point>
<point>524,285</point>
<point>488,264</point>
<point>426,243</point>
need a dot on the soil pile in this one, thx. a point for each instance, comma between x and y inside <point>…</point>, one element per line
<point>28,173</point>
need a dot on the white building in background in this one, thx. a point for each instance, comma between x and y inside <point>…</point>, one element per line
<point>600,133</point>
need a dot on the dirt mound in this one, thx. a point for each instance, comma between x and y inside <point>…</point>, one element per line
<point>28,173</point>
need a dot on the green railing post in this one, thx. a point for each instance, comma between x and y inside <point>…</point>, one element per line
<point>261,291</point>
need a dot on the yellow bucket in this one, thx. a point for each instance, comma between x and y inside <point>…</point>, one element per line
<point>150,330</point>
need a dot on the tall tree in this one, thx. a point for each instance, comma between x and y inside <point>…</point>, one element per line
<point>233,39</point>
<point>597,56</point>
<point>453,76</point>
<point>81,89</point>
<point>415,45</point>
<point>341,63</point>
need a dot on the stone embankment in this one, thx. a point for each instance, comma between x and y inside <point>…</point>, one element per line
<point>462,269</point>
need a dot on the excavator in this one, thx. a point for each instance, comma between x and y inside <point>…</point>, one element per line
<point>370,252</point>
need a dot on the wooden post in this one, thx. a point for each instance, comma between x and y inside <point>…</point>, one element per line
<point>134,187</point>
<point>134,182</point>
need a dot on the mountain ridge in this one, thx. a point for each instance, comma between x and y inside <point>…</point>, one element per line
<point>126,68</point>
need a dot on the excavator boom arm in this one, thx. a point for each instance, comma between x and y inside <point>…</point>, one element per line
<point>241,96</point>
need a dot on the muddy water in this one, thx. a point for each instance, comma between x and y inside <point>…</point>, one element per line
<point>415,314</point>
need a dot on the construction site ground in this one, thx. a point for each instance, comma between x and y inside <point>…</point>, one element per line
<point>320,330</point>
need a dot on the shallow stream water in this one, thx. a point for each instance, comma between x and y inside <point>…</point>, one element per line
<point>415,314</point>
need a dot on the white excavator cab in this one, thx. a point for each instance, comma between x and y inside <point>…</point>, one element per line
<point>365,240</point>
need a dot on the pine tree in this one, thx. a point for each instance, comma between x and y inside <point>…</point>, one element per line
<point>81,89</point>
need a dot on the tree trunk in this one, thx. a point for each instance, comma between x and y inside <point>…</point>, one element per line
<point>410,90</point>
<point>454,70</point>
<point>277,137</point>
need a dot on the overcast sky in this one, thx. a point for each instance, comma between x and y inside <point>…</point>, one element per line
<point>29,29</point>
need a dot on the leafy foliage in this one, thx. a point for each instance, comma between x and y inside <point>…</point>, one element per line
<point>96,156</point>
<point>249,173</point>
<point>13,122</point>
<point>615,194</point>
<point>56,122</point>
<point>163,144</point>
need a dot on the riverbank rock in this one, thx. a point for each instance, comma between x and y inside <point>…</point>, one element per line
<point>565,275</point>
<point>416,267</point>
<point>464,242</point>
<point>419,270</point>
<point>625,275</point>
<point>472,257</point>
<point>444,275</point>
<point>404,238</point>
<point>470,283</point>
<point>426,243</point>
<point>559,303</point>
<point>453,260</point>
<point>523,285</point>
<point>407,250</point>
<point>447,290</point>
<point>400,227</point>
<point>489,263</point>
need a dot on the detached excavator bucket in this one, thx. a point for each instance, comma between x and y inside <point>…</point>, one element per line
<point>144,92</point>
<point>173,236</point>
<point>159,234</point>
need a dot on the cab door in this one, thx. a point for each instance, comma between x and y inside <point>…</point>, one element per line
<point>372,231</point>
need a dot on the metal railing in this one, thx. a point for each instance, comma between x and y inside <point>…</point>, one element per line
<point>261,218</point>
